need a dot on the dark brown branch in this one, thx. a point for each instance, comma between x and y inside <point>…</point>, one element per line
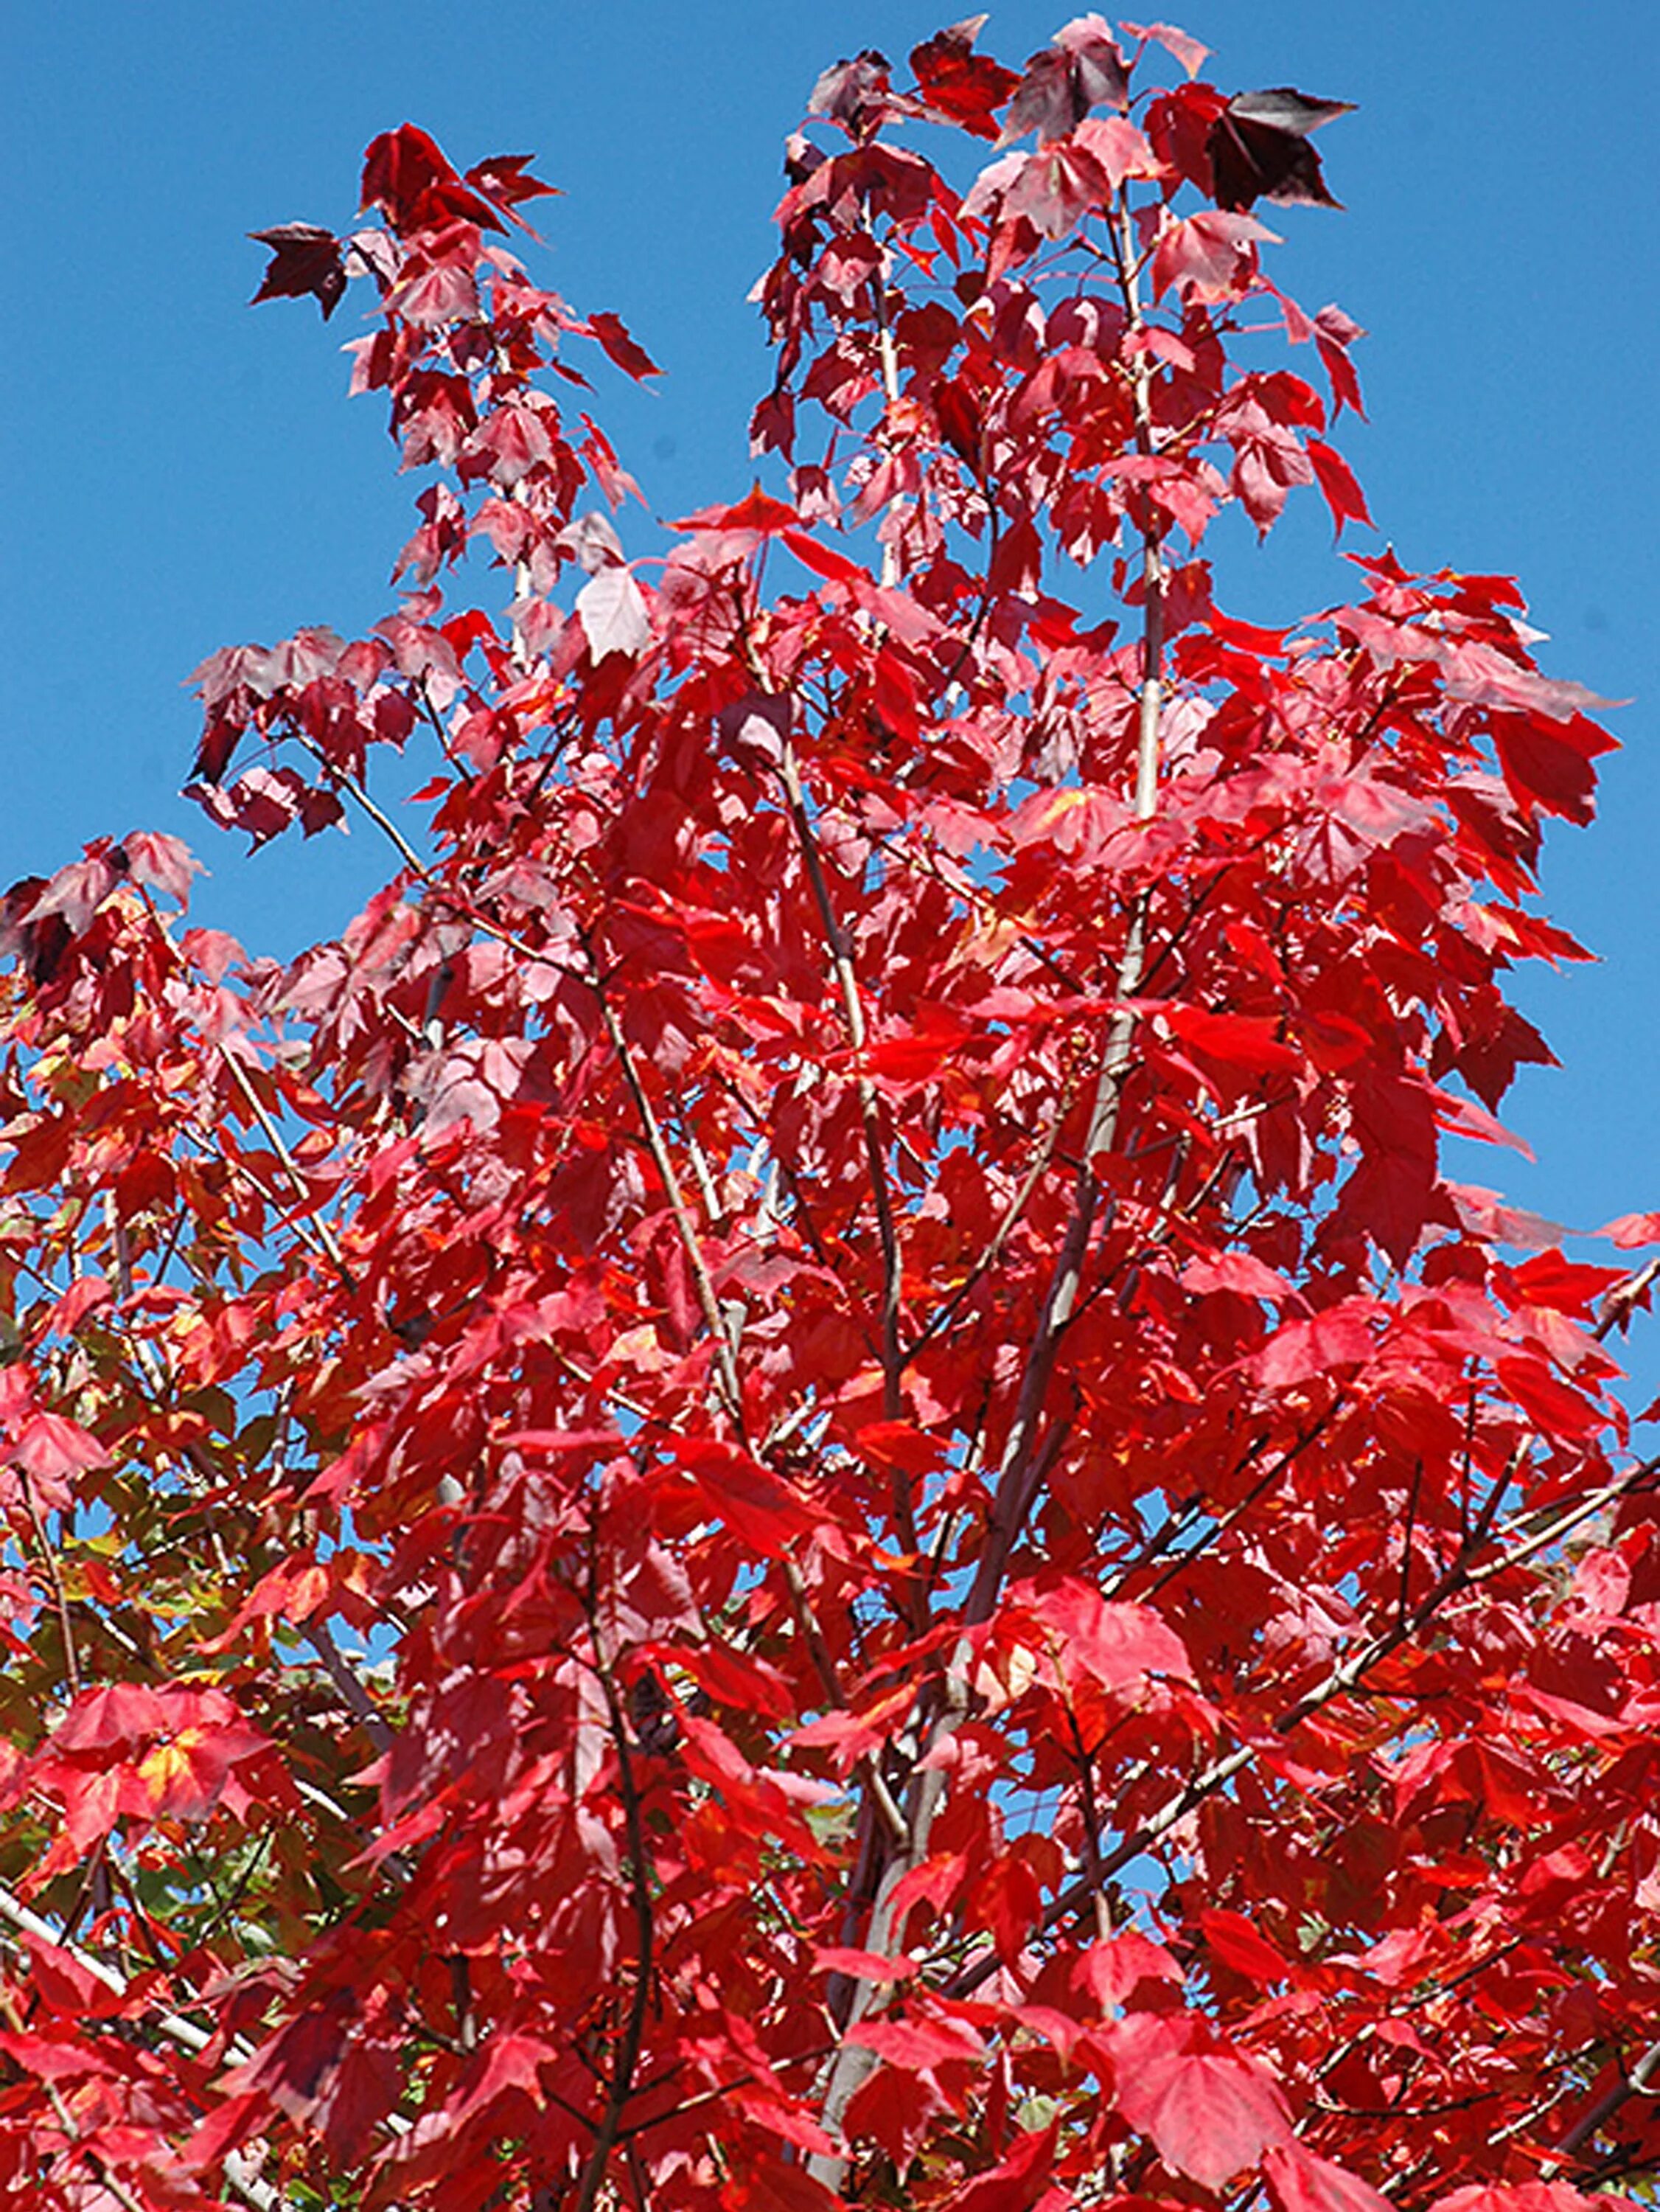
<point>622,2088</point>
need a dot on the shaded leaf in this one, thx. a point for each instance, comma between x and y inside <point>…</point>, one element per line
<point>304,259</point>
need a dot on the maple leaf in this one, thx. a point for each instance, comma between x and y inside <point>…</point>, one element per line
<point>612,611</point>
<point>856,94</point>
<point>1187,50</point>
<point>1116,1644</point>
<point>632,359</point>
<point>1080,69</point>
<point>1210,2114</point>
<point>304,258</point>
<point>1342,493</point>
<point>503,179</point>
<point>757,511</point>
<point>959,85</point>
<point>1209,257</point>
<point>401,169</point>
<point>1258,149</point>
<point>1305,2182</point>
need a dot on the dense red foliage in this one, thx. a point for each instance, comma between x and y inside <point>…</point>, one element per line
<point>800,1486</point>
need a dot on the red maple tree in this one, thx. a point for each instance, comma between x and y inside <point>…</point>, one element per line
<point>800,1486</point>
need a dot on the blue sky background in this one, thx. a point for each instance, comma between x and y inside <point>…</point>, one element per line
<point>181,473</point>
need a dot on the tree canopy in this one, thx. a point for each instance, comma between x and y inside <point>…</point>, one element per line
<point>801,1484</point>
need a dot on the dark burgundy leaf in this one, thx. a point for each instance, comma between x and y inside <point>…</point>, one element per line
<point>505,181</point>
<point>629,356</point>
<point>304,258</point>
<point>1258,149</point>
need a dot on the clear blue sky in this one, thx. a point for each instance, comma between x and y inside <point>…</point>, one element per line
<point>181,473</point>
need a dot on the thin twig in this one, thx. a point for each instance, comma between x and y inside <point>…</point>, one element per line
<point>290,1167</point>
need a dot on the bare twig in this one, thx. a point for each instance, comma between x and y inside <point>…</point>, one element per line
<point>54,1576</point>
<point>346,1680</point>
<point>686,1228</point>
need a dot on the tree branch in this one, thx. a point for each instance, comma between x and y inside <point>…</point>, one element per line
<point>628,2057</point>
<point>240,2171</point>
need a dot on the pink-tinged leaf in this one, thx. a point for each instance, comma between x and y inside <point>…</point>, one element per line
<point>1466,1118</point>
<point>1344,494</point>
<point>1209,257</point>
<point>1210,2114</point>
<point>854,93</point>
<point>1187,50</point>
<point>1345,1335</point>
<point>1082,69</point>
<point>1335,332</point>
<point>76,1303</point>
<point>53,1450</point>
<point>852,1735</point>
<point>163,863</point>
<point>1483,1213</point>
<point>631,359</point>
<point>44,2059</point>
<point>115,1715</point>
<point>1304,2183</point>
<point>611,608</point>
<point>1119,148</point>
<point>1518,2197</point>
<point>1629,1230</point>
